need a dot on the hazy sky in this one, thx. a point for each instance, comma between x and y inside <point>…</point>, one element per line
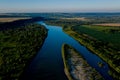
<point>59,6</point>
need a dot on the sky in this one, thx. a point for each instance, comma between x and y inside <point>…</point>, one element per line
<point>8,6</point>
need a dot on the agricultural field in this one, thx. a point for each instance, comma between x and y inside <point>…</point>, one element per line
<point>110,35</point>
<point>78,19</point>
<point>108,24</point>
<point>3,20</point>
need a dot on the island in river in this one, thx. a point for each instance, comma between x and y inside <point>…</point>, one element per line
<point>76,68</point>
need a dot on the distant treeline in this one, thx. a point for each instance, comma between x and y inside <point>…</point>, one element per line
<point>10,15</point>
<point>18,23</point>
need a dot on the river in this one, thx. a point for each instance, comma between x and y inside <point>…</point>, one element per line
<point>48,63</point>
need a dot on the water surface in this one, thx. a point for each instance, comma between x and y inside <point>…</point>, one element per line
<point>48,64</point>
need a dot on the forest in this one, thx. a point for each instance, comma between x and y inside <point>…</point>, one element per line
<point>18,47</point>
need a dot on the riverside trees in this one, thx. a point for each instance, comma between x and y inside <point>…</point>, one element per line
<point>17,47</point>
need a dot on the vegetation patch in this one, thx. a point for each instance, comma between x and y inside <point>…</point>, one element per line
<point>76,67</point>
<point>102,49</point>
<point>108,35</point>
<point>17,47</point>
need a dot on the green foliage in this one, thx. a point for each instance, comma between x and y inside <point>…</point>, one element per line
<point>17,47</point>
<point>110,35</point>
<point>101,48</point>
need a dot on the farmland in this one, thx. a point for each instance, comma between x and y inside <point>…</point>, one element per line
<point>108,35</point>
<point>3,20</point>
<point>109,24</point>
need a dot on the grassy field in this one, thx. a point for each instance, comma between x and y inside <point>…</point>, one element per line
<point>17,48</point>
<point>11,19</point>
<point>109,24</point>
<point>110,35</point>
<point>78,19</point>
<point>76,67</point>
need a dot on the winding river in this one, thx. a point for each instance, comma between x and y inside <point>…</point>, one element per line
<point>48,64</point>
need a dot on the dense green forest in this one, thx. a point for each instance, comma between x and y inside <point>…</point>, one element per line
<point>18,47</point>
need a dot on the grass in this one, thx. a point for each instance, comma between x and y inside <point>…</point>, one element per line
<point>101,33</point>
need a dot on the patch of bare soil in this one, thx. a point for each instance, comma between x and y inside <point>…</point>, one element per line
<point>109,24</point>
<point>11,19</point>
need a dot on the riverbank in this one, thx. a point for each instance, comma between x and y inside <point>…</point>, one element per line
<point>96,47</point>
<point>76,68</point>
<point>18,47</point>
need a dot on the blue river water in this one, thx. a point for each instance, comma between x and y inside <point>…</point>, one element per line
<point>48,64</point>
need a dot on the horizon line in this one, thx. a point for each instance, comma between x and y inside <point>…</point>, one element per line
<point>63,12</point>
